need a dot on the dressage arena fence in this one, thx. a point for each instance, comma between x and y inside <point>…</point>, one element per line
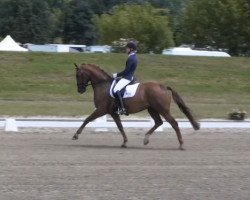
<point>102,124</point>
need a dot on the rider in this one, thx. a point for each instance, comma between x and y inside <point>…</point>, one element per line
<point>127,75</point>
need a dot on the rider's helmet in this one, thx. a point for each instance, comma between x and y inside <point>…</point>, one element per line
<point>131,45</point>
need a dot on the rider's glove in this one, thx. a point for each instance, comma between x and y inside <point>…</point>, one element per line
<point>114,75</point>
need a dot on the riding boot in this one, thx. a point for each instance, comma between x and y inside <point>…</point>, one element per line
<point>122,110</point>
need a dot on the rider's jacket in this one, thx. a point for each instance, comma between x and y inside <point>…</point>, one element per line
<point>131,64</point>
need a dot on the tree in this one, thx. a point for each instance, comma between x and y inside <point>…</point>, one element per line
<point>217,23</point>
<point>57,10</point>
<point>26,21</point>
<point>141,22</point>
<point>78,27</point>
<point>7,11</point>
<point>66,20</point>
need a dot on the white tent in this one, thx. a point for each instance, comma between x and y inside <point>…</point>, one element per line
<point>8,44</point>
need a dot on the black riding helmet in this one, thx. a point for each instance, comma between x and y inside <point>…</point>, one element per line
<point>131,45</point>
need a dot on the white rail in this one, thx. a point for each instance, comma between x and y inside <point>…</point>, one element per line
<point>102,124</point>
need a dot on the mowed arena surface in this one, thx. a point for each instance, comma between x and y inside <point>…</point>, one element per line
<point>45,164</point>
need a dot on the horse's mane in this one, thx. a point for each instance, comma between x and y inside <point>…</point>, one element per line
<point>94,67</point>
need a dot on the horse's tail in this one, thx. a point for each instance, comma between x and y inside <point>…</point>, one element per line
<point>178,100</point>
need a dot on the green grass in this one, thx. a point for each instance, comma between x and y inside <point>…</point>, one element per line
<point>44,83</point>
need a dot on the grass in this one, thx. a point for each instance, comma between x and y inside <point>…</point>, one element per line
<point>44,83</point>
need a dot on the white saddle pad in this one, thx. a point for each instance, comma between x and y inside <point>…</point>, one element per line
<point>130,90</point>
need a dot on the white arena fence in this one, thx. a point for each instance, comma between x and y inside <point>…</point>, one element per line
<point>103,123</point>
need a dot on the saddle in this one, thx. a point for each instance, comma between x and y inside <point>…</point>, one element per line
<point>126,92</point>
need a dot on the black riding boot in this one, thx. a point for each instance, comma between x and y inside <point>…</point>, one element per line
<point>122,110</point>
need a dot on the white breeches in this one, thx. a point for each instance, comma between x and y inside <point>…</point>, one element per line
<point>121,84</point>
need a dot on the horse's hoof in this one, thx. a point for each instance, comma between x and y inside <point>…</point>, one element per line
<point>181,148</point>
<point>75,137</point>
<point>145,141</point>
<point>124,146</point>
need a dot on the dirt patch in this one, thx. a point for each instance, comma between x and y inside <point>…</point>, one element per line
<point>46,164</point>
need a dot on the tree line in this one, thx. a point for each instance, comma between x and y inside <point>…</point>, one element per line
<point>155,24</point>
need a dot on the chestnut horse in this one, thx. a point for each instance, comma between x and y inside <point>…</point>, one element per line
<point>154,97</point>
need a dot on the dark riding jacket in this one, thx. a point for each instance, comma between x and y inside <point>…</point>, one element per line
<point>131,64</point>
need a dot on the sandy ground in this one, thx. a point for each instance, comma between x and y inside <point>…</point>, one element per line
<point>48,165</point>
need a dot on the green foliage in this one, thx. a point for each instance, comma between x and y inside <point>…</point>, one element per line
<point>141,22</point>
<point>27,21</point>
<point>78,28</point>
<point>118,46</point>
<point>220,24</point>
<point>223,24</point>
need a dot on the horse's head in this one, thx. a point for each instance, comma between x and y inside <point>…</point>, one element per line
<point>82,79</point>
<point>90,73</point>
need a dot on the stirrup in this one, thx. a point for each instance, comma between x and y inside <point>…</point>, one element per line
<point>122,111</point>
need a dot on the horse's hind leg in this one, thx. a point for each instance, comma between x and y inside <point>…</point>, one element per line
<point>117,120</point>
<point>175,126</point>
<point>158,122</point>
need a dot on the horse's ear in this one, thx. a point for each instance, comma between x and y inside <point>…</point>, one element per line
<point>76,66</point>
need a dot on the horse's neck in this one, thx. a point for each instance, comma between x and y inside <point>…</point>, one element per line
<point>101,92</point>
<point>100,79</point>
<point>98,75</point>
<point>101,83</point>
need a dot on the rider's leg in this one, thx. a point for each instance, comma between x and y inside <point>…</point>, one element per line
<point>122,110</point>
<point>121,84</point>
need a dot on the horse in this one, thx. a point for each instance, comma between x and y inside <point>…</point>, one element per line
<point>152,96</point>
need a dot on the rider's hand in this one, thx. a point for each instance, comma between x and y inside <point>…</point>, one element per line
<point>114,75</point>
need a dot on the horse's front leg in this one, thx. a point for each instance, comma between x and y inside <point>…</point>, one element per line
<point>117,120</point>
<point>97,113</point>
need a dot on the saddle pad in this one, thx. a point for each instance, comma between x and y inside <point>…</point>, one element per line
<point>130,90</point>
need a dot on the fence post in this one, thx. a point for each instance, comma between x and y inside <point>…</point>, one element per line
<point>11,125</point>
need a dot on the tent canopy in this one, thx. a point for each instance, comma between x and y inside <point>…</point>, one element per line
<point>8,44</point>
